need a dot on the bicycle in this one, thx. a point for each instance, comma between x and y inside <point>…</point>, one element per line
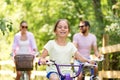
<point>24,63</point>
<point>24,76</point>
<point>90,67</point>
<point>66,76</point>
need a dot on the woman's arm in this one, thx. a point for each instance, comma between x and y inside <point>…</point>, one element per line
<point>15,45</point>
<point>32,41</point>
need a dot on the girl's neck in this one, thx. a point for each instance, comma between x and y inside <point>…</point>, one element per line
<point>61,41</point>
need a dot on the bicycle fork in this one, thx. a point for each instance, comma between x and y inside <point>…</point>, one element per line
<point>91,76</point>
<point>67,77</point>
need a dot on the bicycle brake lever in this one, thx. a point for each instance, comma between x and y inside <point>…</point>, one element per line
<point>88,65</point>
<point>101,58</point>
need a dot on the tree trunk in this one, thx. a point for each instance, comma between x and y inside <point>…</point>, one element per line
<point>99,18</point>
<point>98,13</point>
<point>111,3</point>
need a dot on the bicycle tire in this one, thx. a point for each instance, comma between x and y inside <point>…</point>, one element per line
<point>24,76</point>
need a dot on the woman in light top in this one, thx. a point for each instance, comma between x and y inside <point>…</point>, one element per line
<point>24,43</point>
<point>60,50</point>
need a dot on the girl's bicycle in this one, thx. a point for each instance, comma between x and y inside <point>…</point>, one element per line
<point>66,76</point>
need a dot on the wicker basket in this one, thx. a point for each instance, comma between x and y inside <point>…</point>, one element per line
<point>24,62</point>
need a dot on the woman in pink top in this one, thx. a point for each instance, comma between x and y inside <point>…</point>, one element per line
<point>85,41</point>
<point>24,43</point>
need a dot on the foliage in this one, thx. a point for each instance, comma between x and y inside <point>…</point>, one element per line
<point>41,15</point>
<point>114,59</point>
<point>5,25</point>
<point>113,28</point>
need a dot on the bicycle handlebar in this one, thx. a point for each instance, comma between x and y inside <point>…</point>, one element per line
<point>80,66</point>
<point>86,64</point>
<point>51,62</point>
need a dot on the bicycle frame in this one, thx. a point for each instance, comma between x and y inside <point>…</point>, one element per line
<point>90,67</point>
<point>91,70</point>
<point>66,76</point>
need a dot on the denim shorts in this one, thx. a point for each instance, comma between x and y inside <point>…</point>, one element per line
<point>49,73</point>
<point>76,62</point>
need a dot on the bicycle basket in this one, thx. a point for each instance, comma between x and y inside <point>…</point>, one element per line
<point>24,62</point>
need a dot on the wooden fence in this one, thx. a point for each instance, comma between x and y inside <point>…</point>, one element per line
<point>108,50</point>
<point>11,71</point>
<point>102,74</point>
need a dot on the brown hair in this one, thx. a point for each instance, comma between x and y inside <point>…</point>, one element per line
<point>58,23</point>
<point>22,22</point>
<point>86,23</point>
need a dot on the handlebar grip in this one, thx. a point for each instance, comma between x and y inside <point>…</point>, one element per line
<point>102,57</point>
<point>39,63</point>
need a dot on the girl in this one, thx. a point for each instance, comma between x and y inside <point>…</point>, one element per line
<point>59,49</point>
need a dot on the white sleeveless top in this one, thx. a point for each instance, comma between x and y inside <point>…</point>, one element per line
<point>23,47</point>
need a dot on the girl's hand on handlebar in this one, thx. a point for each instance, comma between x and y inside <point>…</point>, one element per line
<point>42,61</point>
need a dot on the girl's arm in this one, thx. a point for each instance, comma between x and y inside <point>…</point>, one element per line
<point>43,56</point>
